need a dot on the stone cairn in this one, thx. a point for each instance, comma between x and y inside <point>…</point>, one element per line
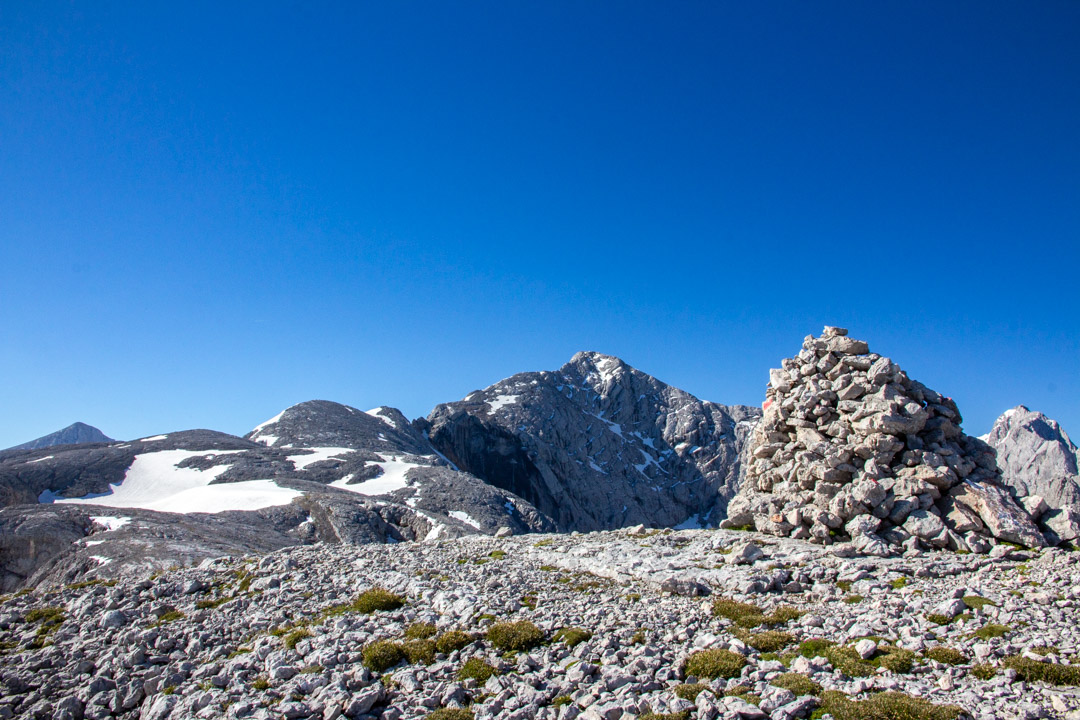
<point>849,447</point>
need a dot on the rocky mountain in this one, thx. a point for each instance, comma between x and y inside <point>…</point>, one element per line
<point>850,446</point>
<point>75,434</point>
<point>102,509</point>
<point>1036,457</point>
<point>598,444</point>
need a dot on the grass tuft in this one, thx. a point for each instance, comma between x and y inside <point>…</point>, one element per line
<point>797,683</point>
<point>419,652</point>
<point>477,669</point>
<point>382,655</point>
<point>768,641</point>
<point>946,655</point>
<point>452,640</point>
<point>572,636</point>
<point>690,691</point>
<point>1035,671</point>
<point>715,663</point>
<point>991,630</point>
<point>296,636</point>
<point>515,636</point>
<point>451,714</point>
<point>885,706</point>
<point>420,631</point>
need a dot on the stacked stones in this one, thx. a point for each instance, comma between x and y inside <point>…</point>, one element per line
<point>850,445</point>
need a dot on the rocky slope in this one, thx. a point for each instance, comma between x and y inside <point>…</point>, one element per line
<point>851,446</point>
<point>598,444</point>
<point>699,624</point>
<point>74,434</point>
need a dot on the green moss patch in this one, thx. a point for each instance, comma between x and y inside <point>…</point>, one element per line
<point>419,652</point>
<point>1036,671</point>
<point>947,655</point>
<point>452,640</point>
<point>420,631</point>
<point>477,669</point>
<point>715,663</point>
<point>885,706</point>
<point>382,655</point>
<point>515,636</point>
<point>572,636</point>
<point>991,630</point>
<point>797,683</point>
<point>690,691</point>
<point>768,641</point>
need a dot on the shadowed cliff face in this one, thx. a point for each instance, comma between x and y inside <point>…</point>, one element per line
<point>495,455</point>
<point>598,444</point>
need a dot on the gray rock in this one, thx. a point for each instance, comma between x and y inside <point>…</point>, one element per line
<point>1061,525</point>
<point>923,524</point>
<point>1036,457</point>
<point>744,553</point>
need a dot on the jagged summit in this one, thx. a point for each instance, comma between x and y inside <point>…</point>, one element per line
<point>850,445</point>
<point>75,434</point>
<point>598,444</point>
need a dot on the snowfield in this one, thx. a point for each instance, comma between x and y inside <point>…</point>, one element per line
<point>154,482</point>
<point>392,478</point>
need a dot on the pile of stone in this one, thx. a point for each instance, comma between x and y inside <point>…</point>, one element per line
<point>850,447</point>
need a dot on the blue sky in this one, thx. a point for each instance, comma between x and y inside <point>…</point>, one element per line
<point>210,213</point>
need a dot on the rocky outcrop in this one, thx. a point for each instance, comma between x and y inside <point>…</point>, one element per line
<point>850,446</point>
<point>74,434</point>
<point>1036,457</point>
<point>598,444</point>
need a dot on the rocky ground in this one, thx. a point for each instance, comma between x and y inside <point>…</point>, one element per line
<point>631,623</point>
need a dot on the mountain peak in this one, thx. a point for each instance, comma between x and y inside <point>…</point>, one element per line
<point>75,434</point>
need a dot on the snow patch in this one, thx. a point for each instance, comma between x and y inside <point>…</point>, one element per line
<point>502,401</point>
<point>318,454</point>
<point>110,522</point>
<point>392,478</point>
<point>47,457</point>
<point>690,523</point>
<point>154,482</point>
<point>271,421</point>
<point>464,517</point>
<point>378,413</point>
<point>155,438</point>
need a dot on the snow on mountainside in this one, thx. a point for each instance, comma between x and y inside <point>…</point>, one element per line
<point>1036,457</point>
<point>74,434</point>
<point>333,474</point>
<point>598,444</point>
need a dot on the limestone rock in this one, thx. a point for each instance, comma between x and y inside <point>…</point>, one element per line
<point>1036,457</point>
<point>848,441</point>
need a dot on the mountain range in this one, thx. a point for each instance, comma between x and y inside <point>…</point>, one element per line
<point>593,445</point>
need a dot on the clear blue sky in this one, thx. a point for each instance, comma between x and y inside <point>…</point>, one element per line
<point>211,211</point>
